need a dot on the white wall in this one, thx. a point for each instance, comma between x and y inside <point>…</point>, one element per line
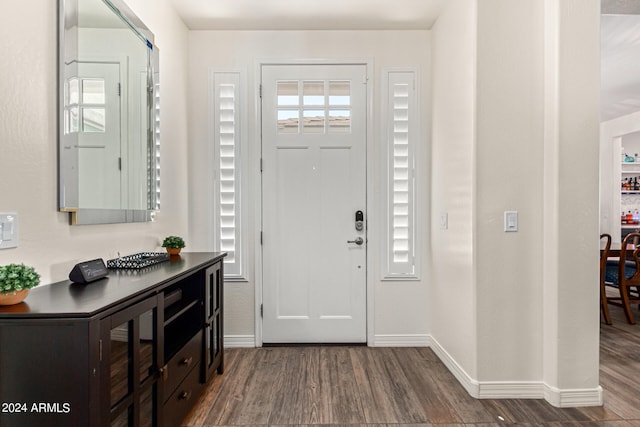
<point>28,128</point>
<point>452,292</point>
<point>399,307</point>
<point>510,131</point>
<point>516,314</point>
<point>571,325</point>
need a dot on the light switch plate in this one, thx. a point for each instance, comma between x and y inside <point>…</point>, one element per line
<point>510,220</point>
<point>444,221</point>
<point>8,230</point>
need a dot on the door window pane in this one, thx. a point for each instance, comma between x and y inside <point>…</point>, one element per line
<point>340,121</point>
<point>288,121</point>
<point>93,91</point>
<point>93,119</point>
<point>288,94</point>
<point>313,121</point>
<point>313,93</point>
<point>326,106</point>
<point>339,93</point>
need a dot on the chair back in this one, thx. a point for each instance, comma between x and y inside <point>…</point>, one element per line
<point>604,254</point>
<point>629,250</point>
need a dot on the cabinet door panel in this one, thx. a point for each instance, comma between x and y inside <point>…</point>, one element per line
<point>130,364</point>
<point>32,366</point>
<point>214,294</point>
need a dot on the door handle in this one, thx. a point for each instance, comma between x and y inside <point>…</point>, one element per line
<point>359,241</point>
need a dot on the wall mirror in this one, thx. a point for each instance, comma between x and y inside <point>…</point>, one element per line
<point>108,141</point>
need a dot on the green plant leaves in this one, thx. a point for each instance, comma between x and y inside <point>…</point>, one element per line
<point>17,277</point>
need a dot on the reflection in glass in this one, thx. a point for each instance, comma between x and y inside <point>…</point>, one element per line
<point>73,120</point>
<point>132,353</point>
<point>122,420</point>
<point>74,91</point>
<point>313,121</point>
<point>146,407</point>
<point>326,106</point>
<point>288,121</point>
<point>215,349</point>
<point>339,121</point>
<point>93,120</point>
<point>71,97</point>
<point>121,359</point>
<point>313,93</point>
<point>287,94</point>
<point>93,91</point>
<point>108,81</point>
<point>146,345</point>
<point>340,93</point>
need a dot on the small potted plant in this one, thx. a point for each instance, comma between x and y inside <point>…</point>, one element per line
<point>15,282</point>
<point>173,244</point>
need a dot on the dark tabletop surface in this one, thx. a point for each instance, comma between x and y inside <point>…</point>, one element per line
<point>67,299</point>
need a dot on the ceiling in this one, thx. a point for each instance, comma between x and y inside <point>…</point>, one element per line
<point>620,65</point>
<point>308,14</point>
<point>620,30</point>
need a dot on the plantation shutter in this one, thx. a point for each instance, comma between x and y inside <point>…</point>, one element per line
<point>227,143</point>
<point>401,132</point>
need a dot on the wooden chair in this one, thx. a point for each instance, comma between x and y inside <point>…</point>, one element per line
<point>625,275</point>
<point>604,255</point>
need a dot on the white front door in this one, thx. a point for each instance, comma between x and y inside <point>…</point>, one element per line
<point>99,138</point>
<point>313,187</point>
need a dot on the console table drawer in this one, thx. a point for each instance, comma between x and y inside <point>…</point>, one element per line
<point>182,363</point>
<point>181,401</point>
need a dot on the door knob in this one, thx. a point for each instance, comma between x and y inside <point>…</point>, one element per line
<point>359,241</point>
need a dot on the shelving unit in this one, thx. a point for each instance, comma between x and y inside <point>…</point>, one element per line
<point>629,199</point>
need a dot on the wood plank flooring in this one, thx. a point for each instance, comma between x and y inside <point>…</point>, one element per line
<point>361,386</point>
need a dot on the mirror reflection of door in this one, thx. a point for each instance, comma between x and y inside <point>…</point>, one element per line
<point>97,93</point>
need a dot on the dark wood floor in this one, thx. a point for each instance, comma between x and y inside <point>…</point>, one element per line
<point>399,386</point>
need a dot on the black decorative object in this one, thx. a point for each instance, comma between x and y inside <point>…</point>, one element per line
<point>139,260</point>
<point>88,271</point>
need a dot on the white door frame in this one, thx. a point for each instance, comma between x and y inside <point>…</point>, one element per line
<point>372,213</point>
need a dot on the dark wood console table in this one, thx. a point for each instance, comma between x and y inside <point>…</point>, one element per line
<point>133,349</point>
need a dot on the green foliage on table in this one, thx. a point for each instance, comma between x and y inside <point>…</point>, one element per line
<point>17,277</point>
<point>173,242</point>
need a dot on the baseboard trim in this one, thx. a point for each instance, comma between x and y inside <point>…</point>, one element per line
<point>472,386</point>
<point>406,340</point>
<point>517,389</point>
<point>239,341</point>
<point>510,390</point>
<point>573,398</point>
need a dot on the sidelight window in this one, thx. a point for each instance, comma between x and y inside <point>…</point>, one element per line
<point>228,134</point>
<point>85,107</point>
<point>401,131</point>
